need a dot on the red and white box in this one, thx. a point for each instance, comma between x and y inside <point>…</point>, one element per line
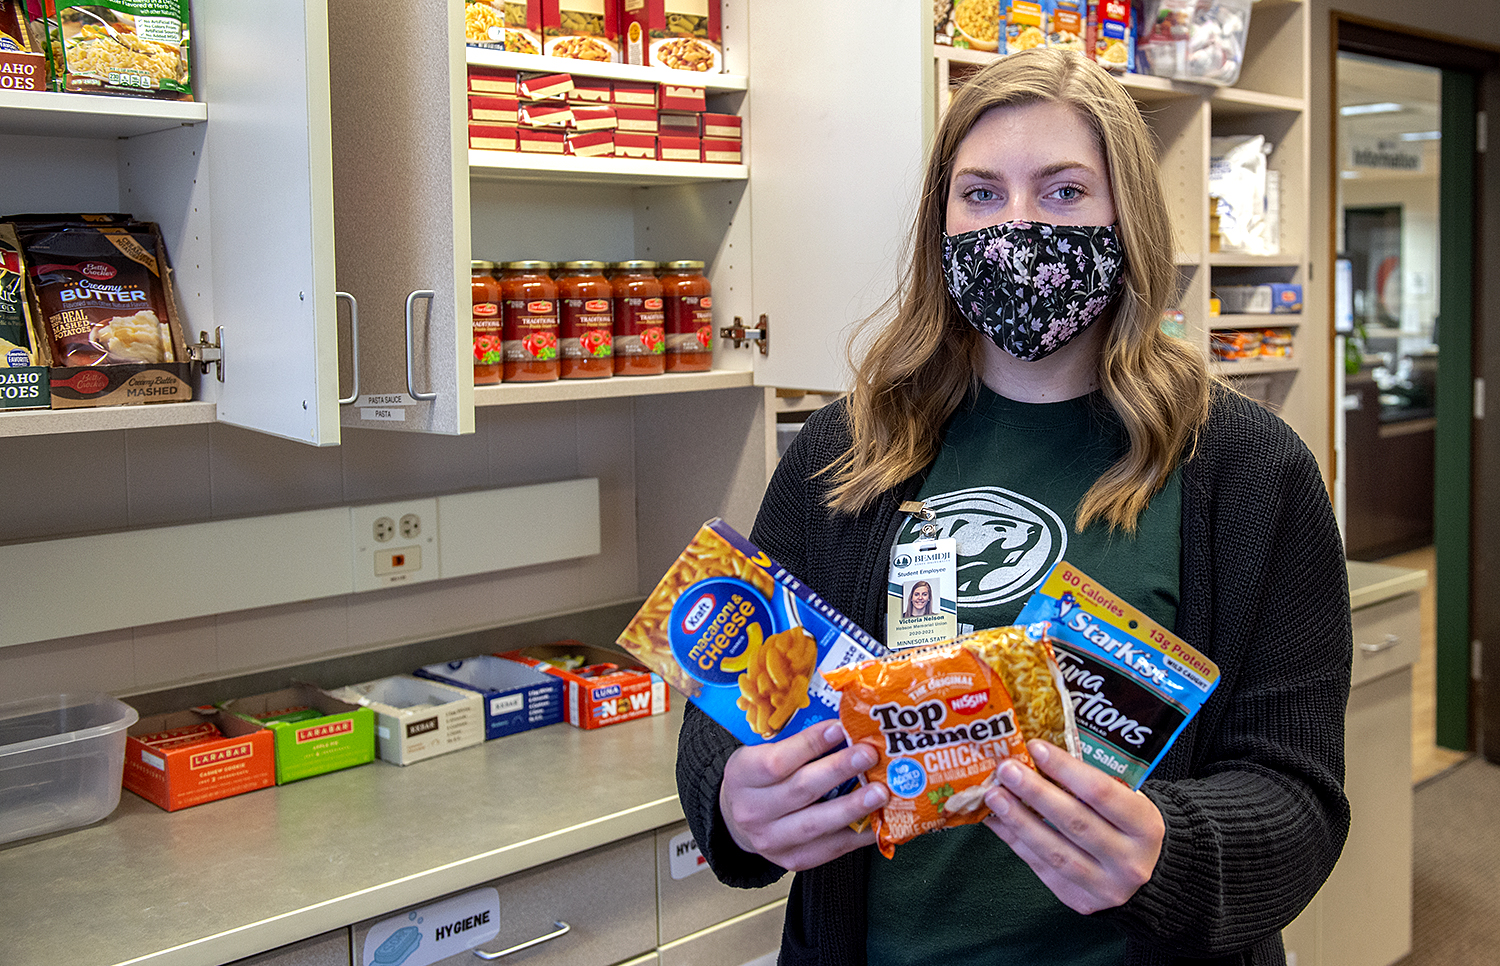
<point>177,774</point>
<point>493,110</point>
<point>593,118</point>
<point>540,140</point>
<point>721,151</point>
<point>628,145</point>
<point>670,148</point>
<point>636,120</point>
<point>592,90</point>
<point>549,114</point>
<point>610,686</point>
<point>682,125</point>
<point>493,137</point>
<point>676,34</point>
<point>677,97</point>
<point>635,93</point>
<point>722,126</point>
<point>492,80</point>
<point>541,87</point>
<point>590,144</point>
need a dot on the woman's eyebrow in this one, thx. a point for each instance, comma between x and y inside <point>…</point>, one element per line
<point>1040,174</point>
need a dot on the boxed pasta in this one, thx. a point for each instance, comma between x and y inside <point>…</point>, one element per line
<point>198,755</point>
<point>744,639</point>
<point>1134,685</point>
<point>603,687</point>
<point>974,24</point>
<point>418,718</point>
<point>130,47</point>
<point>484,24</point>
<point>1025,25</point>
<point>581,30</point>
<point>493,137</point>
<point>1067,24</point>
<point>1111,34</point>
<point>676,34</point>
<point>313,731</point>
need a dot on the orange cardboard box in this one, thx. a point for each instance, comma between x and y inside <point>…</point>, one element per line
<point>178,777</point>
<point>609,687</point>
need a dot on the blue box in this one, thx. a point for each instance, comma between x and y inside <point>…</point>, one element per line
<point>516,697</point>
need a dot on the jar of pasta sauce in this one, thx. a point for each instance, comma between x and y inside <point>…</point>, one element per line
<point>689,317</point>
<point>529,311</point>
<point>585,301</point>
<point>640,319</point>
<point>487,322</point>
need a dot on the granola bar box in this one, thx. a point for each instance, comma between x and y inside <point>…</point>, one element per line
<point>199,755</point>
<point>744,639</point>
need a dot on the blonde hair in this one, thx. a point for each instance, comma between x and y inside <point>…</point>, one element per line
<point>925,360</point>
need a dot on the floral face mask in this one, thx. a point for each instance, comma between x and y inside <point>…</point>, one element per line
<point>1032,287</point>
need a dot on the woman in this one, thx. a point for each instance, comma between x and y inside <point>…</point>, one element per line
<point>919,601</point>
<point>1023,391</point>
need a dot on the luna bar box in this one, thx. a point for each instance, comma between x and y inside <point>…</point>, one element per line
<point>744,639</point>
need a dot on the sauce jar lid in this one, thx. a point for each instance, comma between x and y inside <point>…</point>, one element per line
<point>635,264</point>
<point>585,264</point>
<point>688,264</point>
<point>527,266</point>
<point>478,266</point>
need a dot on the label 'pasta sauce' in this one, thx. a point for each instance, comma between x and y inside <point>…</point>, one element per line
<point>690,318</point>
<point>530,322</point>
<point>640,320</point>
<point>587,339</point>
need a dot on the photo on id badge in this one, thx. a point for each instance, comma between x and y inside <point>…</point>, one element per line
<point>922,605</point>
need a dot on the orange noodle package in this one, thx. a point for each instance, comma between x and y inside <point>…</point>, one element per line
<point>942,719</point>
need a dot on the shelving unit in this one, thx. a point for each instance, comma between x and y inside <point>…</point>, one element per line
<point>628,172</point>
<point>55,114</point>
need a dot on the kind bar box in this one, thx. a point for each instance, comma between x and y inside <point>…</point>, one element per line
<point>417,718</point>
<point>190,757</point>
<point>744,639</point>
<point>603,687</point>
<point>1133,683</point>
<point>314,731</point>
<point>676,34</point>
<point>516,697</point>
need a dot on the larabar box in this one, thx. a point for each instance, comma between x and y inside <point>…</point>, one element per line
<point>553,114</point>
<point>635,93</point>
<point>594,118</point>
<point>582,30</point>
<point>636,120</point>
<point>494,110</point>
<point>492,80</point>
<point>516,697</point>
<point>721,151</point>
<point>418,718</point>
<point>744,639</point>
<point>541,87</point>
<point>173,762</point>
<point>590,144</point>
<point>673,148</point>
<point>493,137</point>
<point>539,140</point>
<point>628,145</point>
<point>677,97</point>
<point>722,126</point>
<point>314,732</point>
<point>676,34</point>
<point>603,687</point>
<point>591,90</point>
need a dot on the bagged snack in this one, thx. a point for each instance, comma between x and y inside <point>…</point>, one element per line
<point>943,718</point>
<point>1196,40</point>
<point>745,640</point>
<point>1237,177</point>
<point>17,333</point>
<point>1134,685</point>
<point>138,47</point>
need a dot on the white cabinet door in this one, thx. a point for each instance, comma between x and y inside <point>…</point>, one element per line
<point>835,140</point>
<point>401,210</point>
<point>263,70</point>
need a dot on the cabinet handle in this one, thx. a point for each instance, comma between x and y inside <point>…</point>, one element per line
<point>353,345</point>
<point>411,299</point>
<point>561,930</point>
<point>1391,640</point>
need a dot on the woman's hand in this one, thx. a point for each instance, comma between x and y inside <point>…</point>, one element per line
<point>770,798</point>
<point>1094,847</point>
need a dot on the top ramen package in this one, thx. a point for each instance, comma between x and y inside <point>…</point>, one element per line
<point>1134,685</point>
<point>120,47</point>
<point>746,641</point>
<point>944,717</point>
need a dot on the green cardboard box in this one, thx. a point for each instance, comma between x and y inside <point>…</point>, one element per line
<point>341,737</point>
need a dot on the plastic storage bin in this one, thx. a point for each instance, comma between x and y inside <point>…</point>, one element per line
<point>61,758</point>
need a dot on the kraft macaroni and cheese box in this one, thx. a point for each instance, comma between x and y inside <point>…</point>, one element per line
<point>1133,683</point>
<point>333,734</point>
<point>516,697</point>
<point>241,759</point>
<point>744,639</point>
<point>601,687</point>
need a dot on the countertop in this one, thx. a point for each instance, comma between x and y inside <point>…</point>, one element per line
<point>1371,583</point>
<point>227,879</point>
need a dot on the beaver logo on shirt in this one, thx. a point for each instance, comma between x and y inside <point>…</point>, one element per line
<point>1006,542</point>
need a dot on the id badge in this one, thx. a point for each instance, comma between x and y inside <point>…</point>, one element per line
<point>922,596</point>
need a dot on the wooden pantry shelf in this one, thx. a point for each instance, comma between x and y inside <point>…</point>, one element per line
<point>48,422</point>
<point>485,57</point>
<point>1241,260</point>
<point>1254,367</point>
<point>55,114</point>
<point>615,387</point>
<point>1255,321</point>
<point>519,166</point>
<point>1237,100</point>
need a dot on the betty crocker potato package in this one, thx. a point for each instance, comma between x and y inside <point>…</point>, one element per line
<point>744,639</point>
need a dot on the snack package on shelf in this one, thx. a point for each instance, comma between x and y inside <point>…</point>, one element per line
<point>1237,177</point>
<point>1111,34</point>
<point>1276,343</point>
<point>971,24</point>
<point>416,718</point>
<point>129,47</point>
<point>23,379</point>
<point>602,687</point>
<point>581,30</point>
<point>198,755</point>
<point>1234,345</point>
<point>1194,40</point>
<point>313,732</point>
<point>1134,685</point>
<point>23,64</point>
<point>676,34</point>
<point>744,639</point>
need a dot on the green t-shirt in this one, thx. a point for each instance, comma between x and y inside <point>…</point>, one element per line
<point>1006,486</point>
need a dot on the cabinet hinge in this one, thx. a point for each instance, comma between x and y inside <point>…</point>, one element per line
<point>206,353</point>
<point>740,335</point>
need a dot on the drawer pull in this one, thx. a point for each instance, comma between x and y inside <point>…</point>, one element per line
<point>1391,640</point>
<point>561,930</point>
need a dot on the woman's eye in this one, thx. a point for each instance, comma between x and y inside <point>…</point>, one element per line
<point>979,194</point>
<point>1069,192</point>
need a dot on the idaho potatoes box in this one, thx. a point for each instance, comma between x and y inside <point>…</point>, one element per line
<point>339,735</point>
<point>744,639</point>
<point>243,760</point>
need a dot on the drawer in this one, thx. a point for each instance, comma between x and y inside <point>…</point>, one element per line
<point>689,896</point>
<point>329,949</point>
<point>606,898</point>
<point>752,939</point>
<point>1387,636</point>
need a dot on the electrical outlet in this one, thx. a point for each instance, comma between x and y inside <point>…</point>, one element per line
<point>376,562</point>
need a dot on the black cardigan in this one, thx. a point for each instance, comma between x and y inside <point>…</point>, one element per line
<point>1251,792</point>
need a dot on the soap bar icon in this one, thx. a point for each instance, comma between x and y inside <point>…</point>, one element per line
<point>397,947</point>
